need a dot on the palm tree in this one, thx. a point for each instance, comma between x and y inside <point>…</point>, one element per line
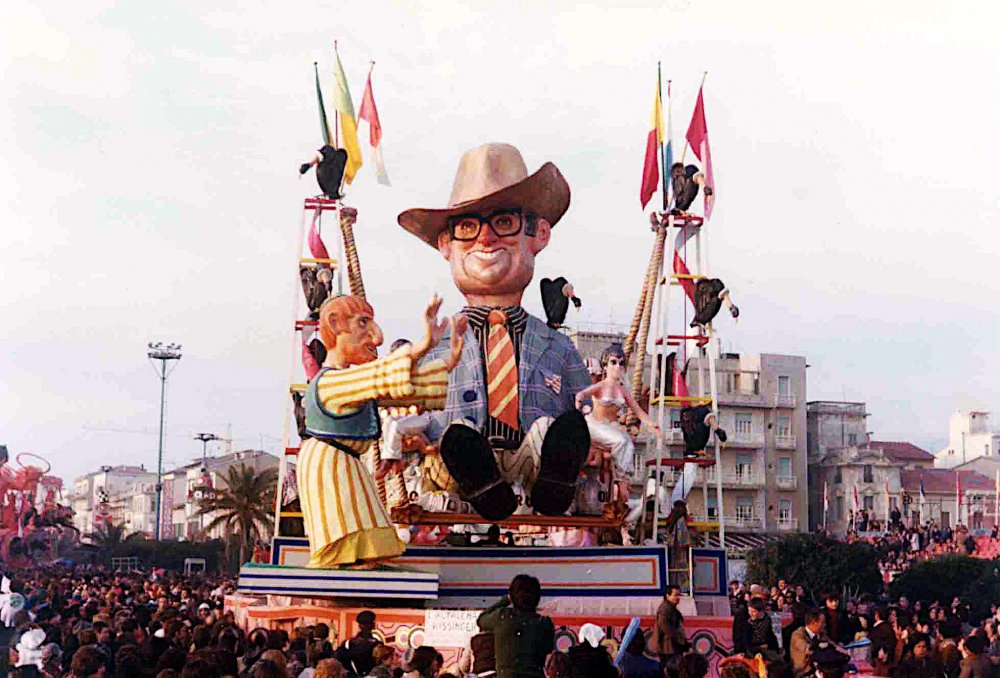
<point>110,537</point>
<point>244,507</point>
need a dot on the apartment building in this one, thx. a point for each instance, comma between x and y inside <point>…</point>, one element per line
<point>763,464</point>
<point>129,490</point>
<point>181,501</point>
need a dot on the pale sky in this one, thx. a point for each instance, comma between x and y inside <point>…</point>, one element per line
<point>150,192</point>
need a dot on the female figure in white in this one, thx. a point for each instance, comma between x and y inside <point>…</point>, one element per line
<point>610,397</point>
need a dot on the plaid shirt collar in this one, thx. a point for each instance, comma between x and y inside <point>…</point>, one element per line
<point>517,317</point>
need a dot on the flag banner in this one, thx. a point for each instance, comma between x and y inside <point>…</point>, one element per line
<point>650,164</point>
<point>697,136</point>
<point>316,246</point>
<point>680,266</point>
<point>369,113</point>
<point>348,122</point>
<point>324,124</point>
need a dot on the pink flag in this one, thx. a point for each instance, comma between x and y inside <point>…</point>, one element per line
<point>370,113</point>
<point>697,136</point>
<point>316,245</point>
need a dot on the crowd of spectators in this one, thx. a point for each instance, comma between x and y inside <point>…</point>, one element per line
<point>919,639</point>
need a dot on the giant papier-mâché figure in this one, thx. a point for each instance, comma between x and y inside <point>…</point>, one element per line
<point>510,414</point>
<point>344,518</point>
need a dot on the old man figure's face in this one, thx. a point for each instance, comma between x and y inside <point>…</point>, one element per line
<point>492,254</point>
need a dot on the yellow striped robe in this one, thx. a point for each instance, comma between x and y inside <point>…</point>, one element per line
<point>344,519</point>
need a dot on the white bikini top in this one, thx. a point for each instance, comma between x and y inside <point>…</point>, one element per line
<point>619,401</point>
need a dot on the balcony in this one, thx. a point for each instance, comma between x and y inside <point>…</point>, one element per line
<point>784,442</point>
<point>745,439</point>
<point>744,521</point>
<point>786,400</point>
<point>786,482</point>
<point>788,524</point>
<point>733,478</point>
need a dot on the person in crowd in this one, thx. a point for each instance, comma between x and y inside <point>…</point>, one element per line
<point>522,638</point>
<point>355,654</point>
<point>692,665</point>
<point>635,663</point>
<point>425,663</point>
<point>558,665</point>
<point>975,662</point>
<point>669,638</point>
<point>589,658</point>
<point>805,641</point>
<point>837,626</point>
<point>756,635</point>
<point>918,661</point>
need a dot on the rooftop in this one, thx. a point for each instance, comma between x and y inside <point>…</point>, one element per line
<point>942,480</point>
<point>901,452</point>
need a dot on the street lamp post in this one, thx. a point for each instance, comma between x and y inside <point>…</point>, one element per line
<point>164,353</point>
<point>205,438</point>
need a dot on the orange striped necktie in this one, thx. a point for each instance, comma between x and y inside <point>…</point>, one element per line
<point>501,371</point>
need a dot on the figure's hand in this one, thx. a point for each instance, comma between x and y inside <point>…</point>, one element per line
<point>389,466</point>
<point>434,330</point>
<point>458,326</point>
<point>567,290</point>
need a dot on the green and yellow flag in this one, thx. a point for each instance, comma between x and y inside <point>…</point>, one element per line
<point>348,122</point>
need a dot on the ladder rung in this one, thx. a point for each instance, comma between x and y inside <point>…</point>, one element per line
<point>310,260</point>
<point>677,338</point>
<point>323,204</point>
<point>298,388</point>
<point>291,451</point>
<point>680,400</point>
<point>302,324</point>
<point>682,276</point>
<point>290,514</point>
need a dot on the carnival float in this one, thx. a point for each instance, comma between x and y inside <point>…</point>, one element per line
<point>419,483</point>
<point>33,525</point>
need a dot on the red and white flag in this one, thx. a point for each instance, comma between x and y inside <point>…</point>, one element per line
<point>697,136</point>
<point>370,114</point>
<point>856,506</point>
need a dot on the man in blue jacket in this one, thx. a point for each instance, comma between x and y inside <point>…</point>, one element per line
<point>510,413</point>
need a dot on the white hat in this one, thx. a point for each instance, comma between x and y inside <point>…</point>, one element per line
<point>591,633</point>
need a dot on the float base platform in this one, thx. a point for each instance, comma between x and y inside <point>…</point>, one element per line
<point>380,582</point>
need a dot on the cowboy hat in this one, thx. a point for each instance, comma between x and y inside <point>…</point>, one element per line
<point>489,177</point>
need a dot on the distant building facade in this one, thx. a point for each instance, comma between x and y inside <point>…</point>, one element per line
<point>970,435</point>
<point>831,425</point>
<point>129,490</point>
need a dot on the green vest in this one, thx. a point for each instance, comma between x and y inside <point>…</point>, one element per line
<point>331,428</point>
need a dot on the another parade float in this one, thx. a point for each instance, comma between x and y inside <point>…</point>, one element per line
<point>33,525</point>
<point>417,485</point>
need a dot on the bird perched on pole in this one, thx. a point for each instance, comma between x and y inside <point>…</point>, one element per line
<point>686,182</point>
<point>709,296</point>
<point>329,163</point>
<point>556,296</point>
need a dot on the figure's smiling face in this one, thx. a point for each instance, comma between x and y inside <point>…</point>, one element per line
<point>492,264</point>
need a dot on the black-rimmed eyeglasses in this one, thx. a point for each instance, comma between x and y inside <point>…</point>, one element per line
<point>504,223</point>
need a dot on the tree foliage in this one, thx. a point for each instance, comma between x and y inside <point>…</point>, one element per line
<point>818,563</point>
<point>244,506</point>
<point>974,580</point>
<point>110,538</point>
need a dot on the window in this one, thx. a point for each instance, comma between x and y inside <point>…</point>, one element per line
<point>784,510</point>
<point>675,418</point>
<point>713,507</point>
<point>869,502</point>
<point>784,386</point>
<point>838,509</point>
<point>869,476</point>
<point>744,508</point>
<point>744,465</point>
<point>838,476</point>
<point>852,439</point>
<point>744,424</point>
<point>784,467</point>
<point>784,427</point>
